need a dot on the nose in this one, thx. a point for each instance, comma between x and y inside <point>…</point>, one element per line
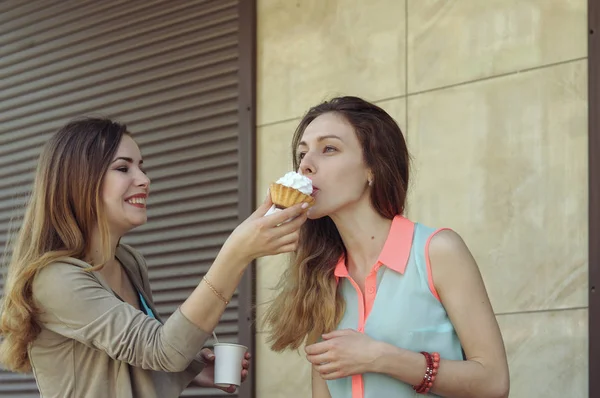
<point>307,166</point>
<point>142,180</point>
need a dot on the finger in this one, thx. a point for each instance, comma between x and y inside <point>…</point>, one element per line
<point>332,375</point>
<point>282,216</point>
<point>292,247</point>
<point>263,208</point>
<point>292,226</point>
<point>327,369</point>
<point>244,375</point>
<point>317,348</point>
<point>245,364</point>
<point>229,389</point>
<point>319,359</point>
<point>268,201</point>
<point>207,355</point>
<point>292,238</point>
<point>248,356</point>
<point>289,239</point>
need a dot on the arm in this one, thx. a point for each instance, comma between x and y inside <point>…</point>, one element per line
<point>74,304</point>
<point>461,290</point>
<point>256,237</point>
<point>319,386</point>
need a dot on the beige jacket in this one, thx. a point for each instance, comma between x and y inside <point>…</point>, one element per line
<point>94,345</point>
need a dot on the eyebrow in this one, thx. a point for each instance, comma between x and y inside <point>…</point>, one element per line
<point>128,160</point>
<point>321,138</point>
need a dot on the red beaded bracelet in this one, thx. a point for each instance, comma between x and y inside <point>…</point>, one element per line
<point>433,363</point>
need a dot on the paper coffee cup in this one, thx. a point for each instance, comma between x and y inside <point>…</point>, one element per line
<point>228,364</point>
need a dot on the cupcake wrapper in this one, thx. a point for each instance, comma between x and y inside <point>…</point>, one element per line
<point>272,210</point>
<point>283,196</point>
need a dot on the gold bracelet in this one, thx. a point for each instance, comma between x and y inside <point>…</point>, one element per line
<point>219,295</point>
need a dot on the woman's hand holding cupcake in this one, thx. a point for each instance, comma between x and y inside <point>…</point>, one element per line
<point>260,236</point>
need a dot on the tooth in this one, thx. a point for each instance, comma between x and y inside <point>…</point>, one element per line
<point>141,201</point>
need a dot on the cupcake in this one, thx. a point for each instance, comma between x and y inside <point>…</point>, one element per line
<point>291,189</point>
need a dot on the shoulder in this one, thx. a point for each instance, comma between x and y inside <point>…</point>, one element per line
<point>450,258</point>
<point>442,240</point>
<point>446,241</point>
<point>62,271</point>
<point>57,278</point>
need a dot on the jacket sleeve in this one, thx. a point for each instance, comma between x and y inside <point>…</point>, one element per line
<point>181,379</point>
<point>74,304</point>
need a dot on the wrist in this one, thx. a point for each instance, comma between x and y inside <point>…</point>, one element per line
<point>380,352</point>
<point>233,259</point>
<point>400,363</point>
<point>237,249</point>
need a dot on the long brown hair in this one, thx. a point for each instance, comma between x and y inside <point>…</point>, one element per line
<point>309,303</point>
<point>63,209</point>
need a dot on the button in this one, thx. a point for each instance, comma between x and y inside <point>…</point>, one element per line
<point>371,290</point>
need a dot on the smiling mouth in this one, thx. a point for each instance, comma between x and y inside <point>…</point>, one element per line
<point>137,202</point>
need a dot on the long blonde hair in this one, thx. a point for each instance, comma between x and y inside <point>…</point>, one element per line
<point>63,209</point>
<point>309,303</point>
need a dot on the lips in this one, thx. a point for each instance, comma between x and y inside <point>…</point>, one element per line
<point>315,191</point>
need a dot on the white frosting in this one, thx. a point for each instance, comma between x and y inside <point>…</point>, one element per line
<point>297,181</point>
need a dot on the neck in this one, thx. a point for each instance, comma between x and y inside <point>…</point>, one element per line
<point>96,253</point>
<point>364,232</point>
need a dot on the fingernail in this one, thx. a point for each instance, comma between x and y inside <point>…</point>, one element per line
<point>304,205</point>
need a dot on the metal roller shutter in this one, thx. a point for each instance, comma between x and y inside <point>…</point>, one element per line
<point>176,74</point>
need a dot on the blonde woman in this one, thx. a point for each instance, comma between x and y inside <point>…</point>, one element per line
<point>77,309</point>
<point>386,305</point>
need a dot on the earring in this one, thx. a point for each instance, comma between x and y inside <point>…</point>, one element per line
<point>370,183</point>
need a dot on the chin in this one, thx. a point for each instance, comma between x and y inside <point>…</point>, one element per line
<point>136,223</point>
<point>139,223</point>
<point>315,214</point>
